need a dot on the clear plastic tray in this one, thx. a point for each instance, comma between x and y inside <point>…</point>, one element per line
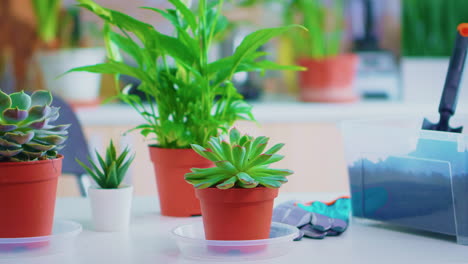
<point>192,244</point>
<point>62,239</point>
<point>401,174</point>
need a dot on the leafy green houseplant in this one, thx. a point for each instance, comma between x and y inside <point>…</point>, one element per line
<point>61,47</point>
<point>331,73</point>
<point>241,188</point>
<point>110,200</point>
<point>29,163</point>
<point>190,98</point>
<point>47,18</point>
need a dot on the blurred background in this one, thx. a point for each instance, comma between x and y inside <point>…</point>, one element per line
<point>367,59</point>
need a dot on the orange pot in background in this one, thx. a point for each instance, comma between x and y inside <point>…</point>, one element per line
<point>27,197</point>
<point>237,214</point>
<point>176,196</point>
<point>328,79</point>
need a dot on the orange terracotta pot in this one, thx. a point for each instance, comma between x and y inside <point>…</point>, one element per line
<point>27,197</point>
<point>176,196</point>
<point>237,214</point>
<point>329,79</point>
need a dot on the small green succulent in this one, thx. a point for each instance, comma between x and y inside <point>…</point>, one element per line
<point>240,163</point>
<point>110,171</point>
<point>25,130</point>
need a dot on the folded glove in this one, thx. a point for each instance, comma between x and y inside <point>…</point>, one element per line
<point>315,219</point>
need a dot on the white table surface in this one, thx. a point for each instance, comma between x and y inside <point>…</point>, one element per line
<point>149,240</point>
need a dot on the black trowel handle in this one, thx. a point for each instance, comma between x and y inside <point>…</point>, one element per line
<point>448,102</point>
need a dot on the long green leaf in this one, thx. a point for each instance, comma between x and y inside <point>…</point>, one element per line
<point>113,67</point>
<point>250,45</point>
<point>91,173</point>
<point>185,11</point>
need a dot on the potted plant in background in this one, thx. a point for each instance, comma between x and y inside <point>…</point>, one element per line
<point>62,47</point>
<point>111,200</point>
<point>29,163</point>
<point>237,195</point>
<point>428,38</point>
<point>330,73</point>
<point>189,98</point>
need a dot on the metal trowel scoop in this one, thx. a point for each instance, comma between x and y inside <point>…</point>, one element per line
<point>448,102</point>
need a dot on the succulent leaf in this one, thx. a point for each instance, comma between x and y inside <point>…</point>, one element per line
<point>20,100</point>
<point>240,163</point>
<point>41,147</point>
<point>9,152</point>
<point>58,128</point>
<point>39,124</point>
<point>33,154</point>
<point>25,130</point>
<point>234,136</point>
<point>229,183</point>
<point>19,137</point>
<point>7,127</point>
<point>8,144</point>
<point>245,178</point>
<point>14,115</point>
<point>41,98</point>
<point>51,139</point>
<point>54,114</point>
<point>38,112</point>
<point>5,101</point>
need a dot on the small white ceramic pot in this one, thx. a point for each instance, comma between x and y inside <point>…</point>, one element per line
<point>76,87</point>
<point>111,208</point>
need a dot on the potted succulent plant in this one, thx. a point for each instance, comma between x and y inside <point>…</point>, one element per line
<point>189,98</point>
<point>237,194</point>
<point>61,47</point>
<point>110,200</point>
<point>330,73</point>
<point>29,163</point>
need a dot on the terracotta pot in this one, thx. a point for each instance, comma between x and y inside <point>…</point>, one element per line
<point>27,197</point>
<point>237,214</point>
<point>329,79</point>
<point>176,196</point>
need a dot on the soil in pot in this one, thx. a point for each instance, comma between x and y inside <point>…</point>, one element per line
<point>328,79</point>
<point>176,196</point>
<point>27,197</point>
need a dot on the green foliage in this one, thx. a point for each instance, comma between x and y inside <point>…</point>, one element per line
<point>25,130</point>
<point>57,28</point>
<point>240,163</point>
<point>47,17</point>
<point>110,170</point>
<point>190,98</point>
<point>325,25</point>
<point>430,26</point>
